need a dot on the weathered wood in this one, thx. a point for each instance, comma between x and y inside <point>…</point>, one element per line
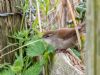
<point>8,24</point>
<point>62,65</point>
<point>93,38</point>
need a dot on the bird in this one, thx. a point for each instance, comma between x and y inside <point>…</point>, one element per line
<point>62,38</point>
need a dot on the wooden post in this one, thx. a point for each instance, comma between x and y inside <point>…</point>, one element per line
<point>9,21</point>
<point>93,38</point>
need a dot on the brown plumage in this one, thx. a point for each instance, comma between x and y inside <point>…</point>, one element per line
<point>62,38</point>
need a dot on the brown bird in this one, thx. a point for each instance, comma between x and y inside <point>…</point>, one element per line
<point>62,38</point>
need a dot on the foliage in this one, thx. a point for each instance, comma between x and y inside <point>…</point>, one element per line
<point>29,45</point>
<point>76,52</point>
<point>36,49</point>
<point>81,9</point>
<point>30,42</point>
<point>18,65</point>
<point>7,72</point>
<point>33,47</point>
<point>35,69</point>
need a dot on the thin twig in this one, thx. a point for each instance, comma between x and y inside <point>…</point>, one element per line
<point>53,18</point>
<point>73,18</point>
<point>39,18</point>
<point>8,46</point>
<point>30,14</point>
<point>18,48</point>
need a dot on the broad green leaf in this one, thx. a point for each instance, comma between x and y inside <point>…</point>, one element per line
<point>36,49</point>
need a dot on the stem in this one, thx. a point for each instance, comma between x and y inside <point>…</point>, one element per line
<point>8,46</point>
<point>73,18</point>
<point>39,18</point>
<point>18,48</point>
<point>30,14</point>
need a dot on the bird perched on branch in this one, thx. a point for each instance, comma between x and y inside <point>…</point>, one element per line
<point>62,38</point>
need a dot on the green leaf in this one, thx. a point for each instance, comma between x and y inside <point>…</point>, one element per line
<point>36,49</point>
<point>25,7</point>
<point>35,69</point>
<point>18,65</point>
<point>76,52</point>
<point>81,9</point>
<point>7,72</point>
<point>21,36</point>
<point>50,48</point>
<point>47,5</point>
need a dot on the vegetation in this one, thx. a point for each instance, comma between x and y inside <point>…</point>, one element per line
<point>32,53</point>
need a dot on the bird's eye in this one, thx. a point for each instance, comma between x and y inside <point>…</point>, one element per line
<point>46,36</point>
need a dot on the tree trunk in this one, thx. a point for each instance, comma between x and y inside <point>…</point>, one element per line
<point>10,21</point>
